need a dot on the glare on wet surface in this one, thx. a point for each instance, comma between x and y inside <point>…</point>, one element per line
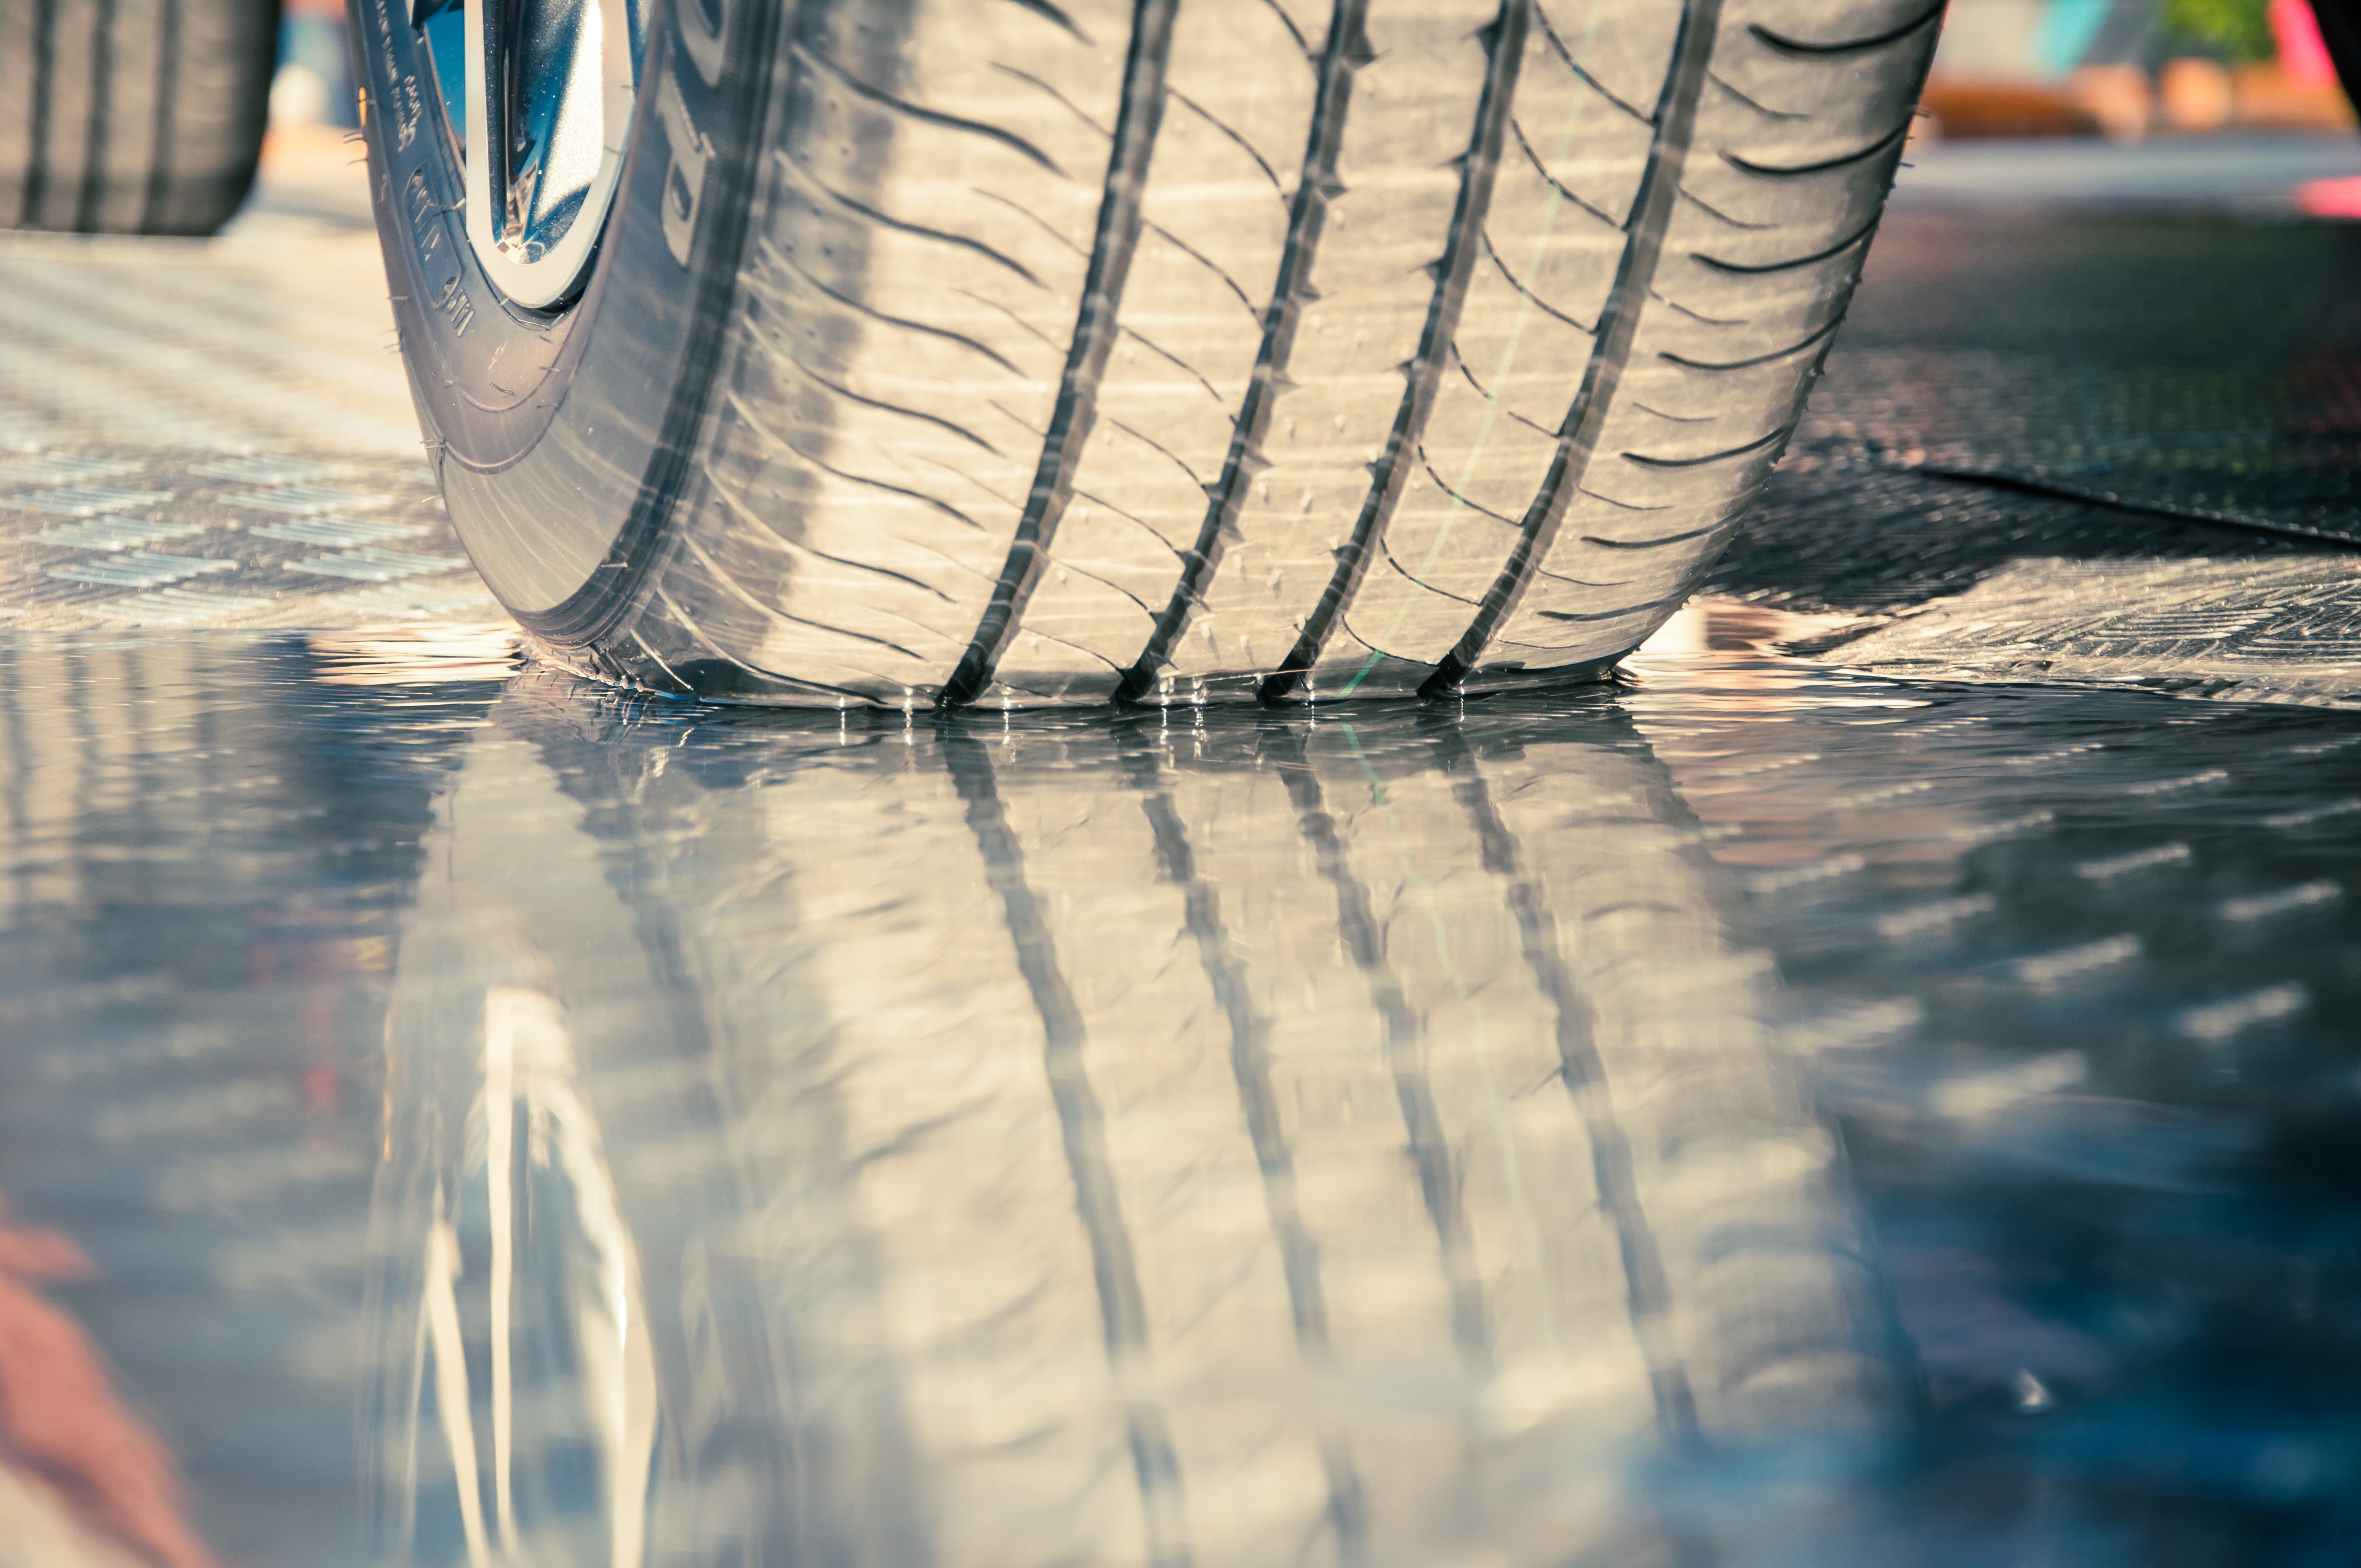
<point>1752,1113</point>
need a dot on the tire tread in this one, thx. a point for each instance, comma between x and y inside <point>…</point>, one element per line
<point>1471,388</point>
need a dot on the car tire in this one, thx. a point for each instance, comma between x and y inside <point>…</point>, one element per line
<point>1013,352</point>
<point>132,116</point>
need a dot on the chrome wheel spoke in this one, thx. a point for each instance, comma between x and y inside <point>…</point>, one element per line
<point>538,94</point>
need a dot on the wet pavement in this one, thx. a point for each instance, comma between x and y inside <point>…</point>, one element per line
<point>1874,1085</point>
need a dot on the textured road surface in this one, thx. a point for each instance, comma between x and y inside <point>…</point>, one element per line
<point>200,433</point>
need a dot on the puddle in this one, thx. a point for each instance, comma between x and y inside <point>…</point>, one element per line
<point>1752,1114</point>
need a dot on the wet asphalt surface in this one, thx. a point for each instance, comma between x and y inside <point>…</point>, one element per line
<point>1874,1085</point>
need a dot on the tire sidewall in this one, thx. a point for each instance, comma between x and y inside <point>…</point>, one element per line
<point>518,405</point>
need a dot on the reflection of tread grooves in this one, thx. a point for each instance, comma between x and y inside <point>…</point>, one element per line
<point>1123,1308</point>
<point>1095,329</point>
<point>1346,50</point>
<point>1266,1126</point>
<point>1618,324</point>
<point>1430,1146</point>
<point>1647,1296</point>
<point>1505,44</point>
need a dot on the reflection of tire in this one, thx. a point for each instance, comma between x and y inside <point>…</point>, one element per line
<point>1010,351</point>
<point>134,116</point>
<point>1102,1144</point>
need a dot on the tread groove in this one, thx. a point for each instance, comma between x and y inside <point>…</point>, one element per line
<point>1128,516</point>
<point>1671,304</point>
<point>1118,239</point>
<point>36,162</point>
<point>738,504</point>
<point>93,156</point>
<point>1411,577</point>
<point>1618,326</point>
<point>1477,507</point>
<point>1306,222</point>
<point>688,624</point>
<point>1506,47</point>
<point>1035,219</point>
<point>1621,506</point>
<point>738,592</point>
<point>1012,315</point>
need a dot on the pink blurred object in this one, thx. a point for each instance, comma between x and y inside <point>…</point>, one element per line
<point>2303,55</point>
<point>2331,198</point>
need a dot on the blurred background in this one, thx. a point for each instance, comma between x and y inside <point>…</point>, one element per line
<point>2126,69</point>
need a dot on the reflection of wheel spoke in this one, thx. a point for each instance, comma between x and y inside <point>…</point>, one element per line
<point>452,1400</point>
<point>600,1337</point>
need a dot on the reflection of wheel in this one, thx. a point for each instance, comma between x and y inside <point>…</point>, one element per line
<point>1033,350</point>
<point>1248,1143</point>
<point>131,116</point>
